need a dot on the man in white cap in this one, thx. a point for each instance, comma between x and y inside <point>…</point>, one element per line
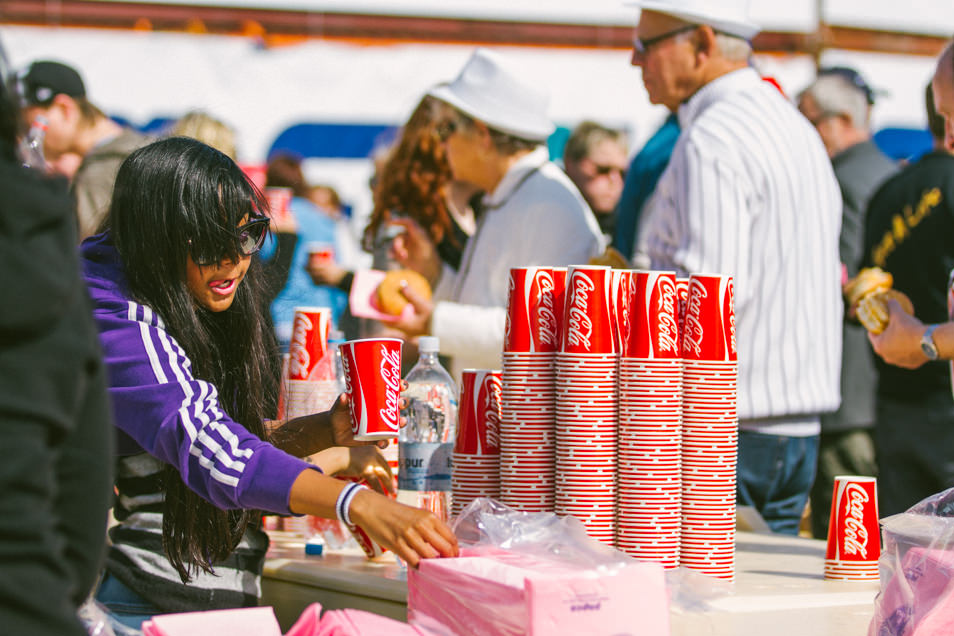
<point>749,192</point>
<point>494,127</point>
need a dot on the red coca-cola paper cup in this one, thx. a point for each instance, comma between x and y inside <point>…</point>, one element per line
<point>321,253</point>
<point>854,540</point>
<point>279,202</point>
<point>588,321</point>
<point>533,314</point>
<point>654,329</point>
<point>478,413</point>
<point>709,331</point>
<point>309,342</point>
<point>372,370</point>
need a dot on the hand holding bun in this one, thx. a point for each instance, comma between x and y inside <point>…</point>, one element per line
<point>390,299</point>
<point>868,294</point>
<point>872,310</point>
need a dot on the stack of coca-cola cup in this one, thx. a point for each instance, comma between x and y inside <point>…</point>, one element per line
<point>309,384</point>
<point>650,406</point>
<point>586,373</point>
<point>531,340</point>
<point>476,456</point>
<point>709,427</point>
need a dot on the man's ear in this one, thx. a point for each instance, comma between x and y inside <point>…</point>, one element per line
<point>704,39</point>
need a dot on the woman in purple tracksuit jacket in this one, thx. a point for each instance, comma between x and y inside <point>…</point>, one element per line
<point>176,300</point>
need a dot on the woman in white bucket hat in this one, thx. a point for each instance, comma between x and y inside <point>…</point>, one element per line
<point>494,126</point>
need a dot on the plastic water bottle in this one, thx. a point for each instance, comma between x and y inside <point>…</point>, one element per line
<point>426,442</point>
<point>31,146</point>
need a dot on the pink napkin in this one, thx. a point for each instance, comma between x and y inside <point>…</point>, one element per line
<point>347,622</point>
<point>363,299</point>
<point>246,621</point>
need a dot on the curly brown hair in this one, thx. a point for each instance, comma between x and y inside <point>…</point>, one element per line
<point>413,180</point>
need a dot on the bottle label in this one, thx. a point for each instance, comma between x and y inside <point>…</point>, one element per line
<point>425,466</point>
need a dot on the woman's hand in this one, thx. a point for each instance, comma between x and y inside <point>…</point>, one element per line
<point>411,533</point>
<point>414,249</point>
<point>419,322</point>
<point>340,414</point>
<point>330,274</point>
<point>365,462</point>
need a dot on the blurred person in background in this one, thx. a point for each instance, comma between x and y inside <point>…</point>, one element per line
<point>838,104</point>
<point>56,437</point>
<point>76,126</point>
<point>640,183</point>
<point>207,129</point>
<point>909,228</point>
<point>726,204</point>
<point>176,295</point>
<point>595,159</point>
<point>413,183</point>
<point>313,227</point>
<point>494,128</point>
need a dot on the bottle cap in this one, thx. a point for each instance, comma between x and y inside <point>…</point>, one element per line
<point>428,344</point>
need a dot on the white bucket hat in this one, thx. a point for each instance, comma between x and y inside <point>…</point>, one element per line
<point>728,16</point>
<point>487,91</point>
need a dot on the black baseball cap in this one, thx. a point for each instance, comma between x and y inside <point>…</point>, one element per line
<point>43,80</point>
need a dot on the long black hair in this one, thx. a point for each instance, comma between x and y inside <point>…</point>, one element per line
<point>173,198</point>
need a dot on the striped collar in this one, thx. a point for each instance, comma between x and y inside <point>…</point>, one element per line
<point>715,91</point>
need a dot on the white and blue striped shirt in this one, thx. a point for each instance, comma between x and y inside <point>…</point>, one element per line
<point>750,192</point>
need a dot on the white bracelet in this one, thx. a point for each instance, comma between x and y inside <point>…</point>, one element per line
<point>343,505</point>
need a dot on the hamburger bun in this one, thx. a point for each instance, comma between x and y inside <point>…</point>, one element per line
<point>389,296</point>
<point>611,257</point>
<point>872,310</point>
<point>869,280</point>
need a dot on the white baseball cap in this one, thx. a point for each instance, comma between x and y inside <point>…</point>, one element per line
<point>727,16</point>
<point>486,90</point>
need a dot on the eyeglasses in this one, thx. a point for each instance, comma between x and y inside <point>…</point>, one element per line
<point>445,129</point>
<point>641,46</point>
<point>249,238</point>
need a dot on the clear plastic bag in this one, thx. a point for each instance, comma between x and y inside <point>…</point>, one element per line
<point>536,574</point>
<point>917,571</point>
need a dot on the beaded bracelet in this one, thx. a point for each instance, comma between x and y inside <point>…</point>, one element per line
<point>343,505</point>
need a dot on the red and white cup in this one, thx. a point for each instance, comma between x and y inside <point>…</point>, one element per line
<point>533,314</point>
<point>854,538</point>
<point>279,202</point>
<point>309,341</point>
<point>372,370</point>
<point>321,253</point>
<point>589,323</point>
<point>709,331</point>
<point>478,414</point>
<point>654,327</point>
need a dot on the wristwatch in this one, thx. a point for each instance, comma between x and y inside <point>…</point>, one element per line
<point>927,343</point>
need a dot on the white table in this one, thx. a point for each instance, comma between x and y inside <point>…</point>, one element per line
<point>779,590</point>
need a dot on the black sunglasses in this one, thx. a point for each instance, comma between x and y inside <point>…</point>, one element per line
<point>641,46</point>
<point>249,238</point>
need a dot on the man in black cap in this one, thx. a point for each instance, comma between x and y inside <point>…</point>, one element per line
<point>56,92</point>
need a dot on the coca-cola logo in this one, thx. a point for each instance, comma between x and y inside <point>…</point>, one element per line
<point>729,309</point>
<point>546,316</point>
<point>299,360</point>
<point>856,534</point>
<point>391,375</point>
<point>491,391</point>
<point>510,290</point>
<point>346,369</point>
<point>579,326</point>
<point>668,330</point>
<point>693,330</point>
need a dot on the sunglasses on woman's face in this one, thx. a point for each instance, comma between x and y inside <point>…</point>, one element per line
<point>248,240</point>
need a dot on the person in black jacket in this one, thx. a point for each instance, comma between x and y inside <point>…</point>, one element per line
<point>55,425</point>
